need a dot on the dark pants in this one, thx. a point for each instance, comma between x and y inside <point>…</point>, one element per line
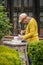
<point>29,60</point>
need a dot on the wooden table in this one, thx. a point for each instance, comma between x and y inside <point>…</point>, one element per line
<point>21,47</point>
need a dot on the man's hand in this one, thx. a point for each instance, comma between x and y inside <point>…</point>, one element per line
<point>20,37</point>
<point>22,32</point>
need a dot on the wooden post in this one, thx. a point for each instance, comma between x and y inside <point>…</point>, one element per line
<point>28,6</point>
<point>10,8</point>
<point>17,13</point>
<point>36,12</point>
<point>22,10</point>
<point>22,6</point>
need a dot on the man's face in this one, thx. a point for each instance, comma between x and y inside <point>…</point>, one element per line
<point>24,21</point>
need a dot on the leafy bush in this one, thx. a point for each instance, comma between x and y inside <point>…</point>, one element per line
<point>35,51</point>
<point>9,56</point>
<point>5,25</point>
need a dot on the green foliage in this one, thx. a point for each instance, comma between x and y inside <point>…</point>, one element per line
<point>35,51</point>
<point>9,56</point>
<point>5,25</point>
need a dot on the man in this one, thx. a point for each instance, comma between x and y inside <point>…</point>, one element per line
<point>31,31</point>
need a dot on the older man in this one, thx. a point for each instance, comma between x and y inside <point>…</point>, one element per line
<point>31,31</point>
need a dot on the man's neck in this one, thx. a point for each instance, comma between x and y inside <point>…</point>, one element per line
<point>28,19</point>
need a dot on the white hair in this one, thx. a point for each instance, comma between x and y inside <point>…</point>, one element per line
<point>22,16</point>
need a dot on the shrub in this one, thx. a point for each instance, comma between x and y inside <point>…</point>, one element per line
<point>9,56</point>
<point>35,51</point>
<point>5,25</point>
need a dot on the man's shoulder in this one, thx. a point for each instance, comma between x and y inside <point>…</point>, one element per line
<point>32,21</point>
